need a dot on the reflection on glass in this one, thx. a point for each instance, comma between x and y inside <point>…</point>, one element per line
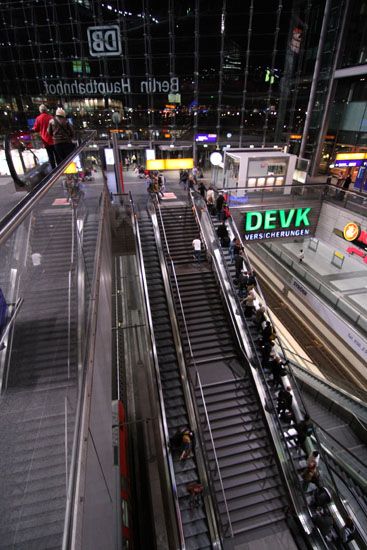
<point>270,181</point>
<point>260,182</point>
<point>279,181</point>
<point>251,182</point>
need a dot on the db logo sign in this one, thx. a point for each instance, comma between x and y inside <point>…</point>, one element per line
<point>104,41</point>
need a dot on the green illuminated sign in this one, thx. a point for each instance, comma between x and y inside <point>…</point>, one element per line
<point>277,219</point>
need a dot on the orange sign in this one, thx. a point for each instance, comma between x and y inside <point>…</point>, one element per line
<point>351,231</point>
<point>295,136</point>
<point>351,156</point>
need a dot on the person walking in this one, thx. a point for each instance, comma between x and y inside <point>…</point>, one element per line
<point>196,243</point>
<point>40,126</point>
<point>210,196</point>
<point>190,185</point>
<point>202,189</point>
<point>62,133</point>
<point>219,205</point>
<point>184,176</point>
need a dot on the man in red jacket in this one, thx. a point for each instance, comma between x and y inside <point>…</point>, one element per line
<point>40,126</point>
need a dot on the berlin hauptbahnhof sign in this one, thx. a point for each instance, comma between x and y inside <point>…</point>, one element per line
<point>274,224</point>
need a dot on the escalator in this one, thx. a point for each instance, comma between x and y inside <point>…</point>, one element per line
<point>195,525</point>
<point>330,394</point>
<point>43,370</point>
<point>338,418</point>
<point>250,490</point>
<point>45,241</point>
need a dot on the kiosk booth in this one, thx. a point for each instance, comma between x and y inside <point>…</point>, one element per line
<point>256,169</point>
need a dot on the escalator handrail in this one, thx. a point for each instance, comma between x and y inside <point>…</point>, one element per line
<point>296,386</point>
<point>361,533</point>
<point>156,367</point>
<point>361,481</point>
<point>274,418</point>
<point>19,212</point>
<point>334,458</point>
<point>327,383</point>
<point>195,366</point>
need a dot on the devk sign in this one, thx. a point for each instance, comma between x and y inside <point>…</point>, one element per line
<point>273,224</point>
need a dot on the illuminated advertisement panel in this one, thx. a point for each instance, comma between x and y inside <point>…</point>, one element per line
<point>275,224</point>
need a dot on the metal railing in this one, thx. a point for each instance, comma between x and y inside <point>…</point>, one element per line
<point>193,362</point>
<point>21,210</point>
<point>72,522</point>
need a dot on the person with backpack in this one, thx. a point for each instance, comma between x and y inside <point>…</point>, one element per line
<point>195,490</point>
<point>60,129</point>
<point>222,233</point>
<point>202,189</point>
<point>41,125</point>
<point>186,445</point>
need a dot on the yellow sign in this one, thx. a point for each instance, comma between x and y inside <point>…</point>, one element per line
<point>295,136</point>
<point>156,164</point>
<point>351,231</point>
<point>351,156</point>
<point>170,164</point>
<point>339,255</point>
<point>179,164</point>
<point>71,169</point>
